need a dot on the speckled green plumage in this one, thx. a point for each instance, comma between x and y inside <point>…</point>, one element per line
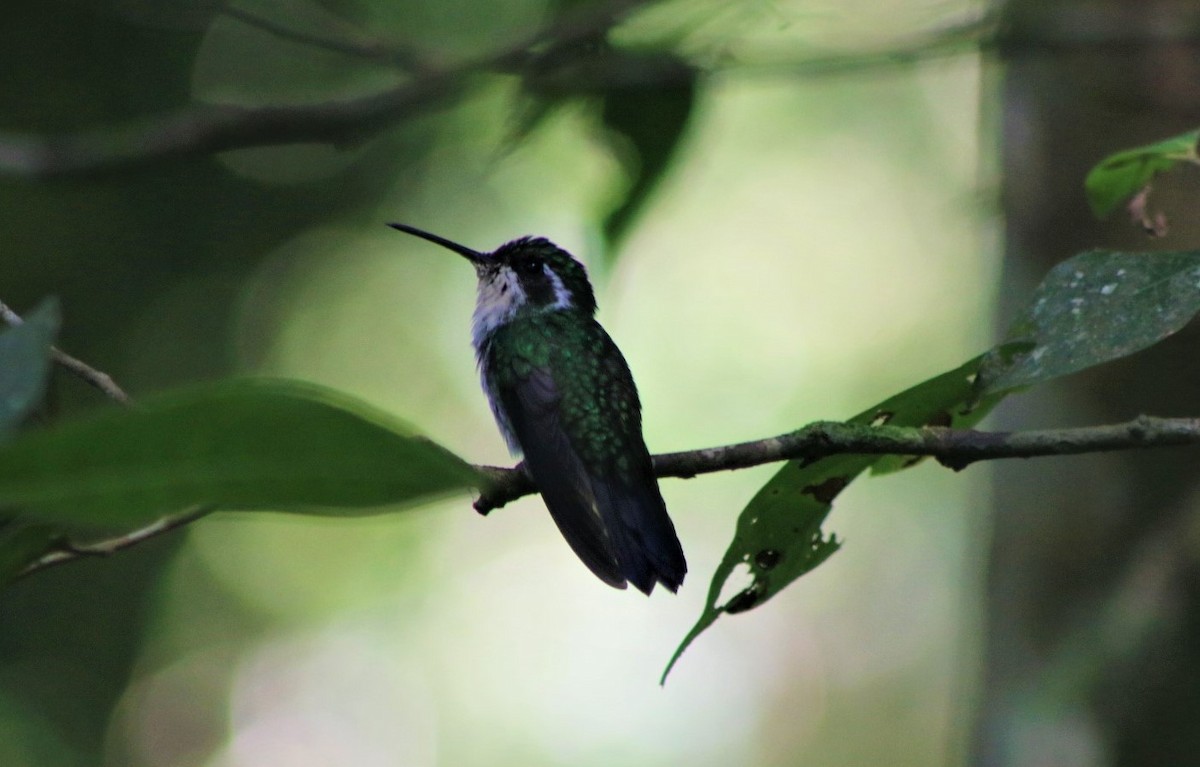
<point>598,403</point>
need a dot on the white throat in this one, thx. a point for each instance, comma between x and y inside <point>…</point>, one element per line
<point>497,300</point>
<point>500,296</point>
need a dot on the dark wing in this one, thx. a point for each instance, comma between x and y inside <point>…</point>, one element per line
<point>532,406</point>
<point>576,415</point>
<point>623,481</point>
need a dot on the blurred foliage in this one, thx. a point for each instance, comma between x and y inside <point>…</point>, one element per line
<point>650,122</point>
<point>1091,309</point>
<point>1125,174</point>
<point>149,267</point>
<point>779,536</point>
<point>152,266</point>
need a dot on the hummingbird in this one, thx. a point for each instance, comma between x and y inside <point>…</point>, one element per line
<point>563,397</point>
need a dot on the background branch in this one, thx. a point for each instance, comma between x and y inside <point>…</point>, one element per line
<point>77,367</point>
<point>68,551</point>
<point>354,44</point>
<point>206,128</point>
<point>540,59</point>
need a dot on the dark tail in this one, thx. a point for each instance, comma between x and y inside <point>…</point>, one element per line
<point>641,532</point>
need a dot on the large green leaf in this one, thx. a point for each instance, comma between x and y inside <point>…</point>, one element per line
<point>25,364</point>
<point>779,535</point>
<point>1122,175</point>
<point>1093,308</point>
<point>250,444</point>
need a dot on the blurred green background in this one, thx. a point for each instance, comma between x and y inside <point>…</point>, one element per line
<point>817,244</point>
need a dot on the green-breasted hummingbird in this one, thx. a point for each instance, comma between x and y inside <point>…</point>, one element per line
<point>563,397</point>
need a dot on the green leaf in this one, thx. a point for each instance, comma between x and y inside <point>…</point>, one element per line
<point>1122,175</point>
<point>1093,308</point>
<point>779,536</point>
<point>647,124</point>
<point>25,364</point>
<point>250,444</point>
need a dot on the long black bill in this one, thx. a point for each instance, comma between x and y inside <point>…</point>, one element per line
<point>473,256</point>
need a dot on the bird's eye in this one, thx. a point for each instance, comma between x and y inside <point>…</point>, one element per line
<point>530,266</point>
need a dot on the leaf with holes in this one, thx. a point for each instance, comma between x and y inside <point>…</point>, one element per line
<point>779,536</point>
<point>1096,307</point>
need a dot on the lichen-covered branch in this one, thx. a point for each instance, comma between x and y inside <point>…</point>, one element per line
<point>955,448</point>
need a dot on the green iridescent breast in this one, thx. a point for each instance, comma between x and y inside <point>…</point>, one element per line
<point>596,402</point>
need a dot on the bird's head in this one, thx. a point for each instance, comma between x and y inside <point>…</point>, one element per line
<point>525,276</point>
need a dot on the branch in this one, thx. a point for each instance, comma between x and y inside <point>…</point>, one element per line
<point>67,551</point>
<point>211,128</point>
<point>98,379</point>
<point>556,52</point>
<point>207,128</point>
<point>955,448</point>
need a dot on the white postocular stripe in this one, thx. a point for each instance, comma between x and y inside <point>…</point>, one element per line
<point>562,296</point>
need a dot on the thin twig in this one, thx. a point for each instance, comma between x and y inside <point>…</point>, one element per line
<point>99,379</point>
<point>67,551</point>
<point>955,448</point>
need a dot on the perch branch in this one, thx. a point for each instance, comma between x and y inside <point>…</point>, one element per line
<point>955,448</point>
